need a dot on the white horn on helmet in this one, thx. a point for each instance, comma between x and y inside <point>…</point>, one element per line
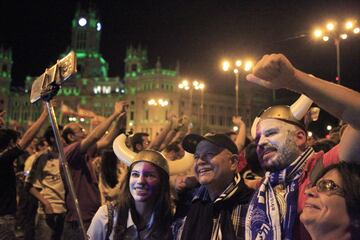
<point>181,165</point>
<point>301,107</point>
<point>122,152</point>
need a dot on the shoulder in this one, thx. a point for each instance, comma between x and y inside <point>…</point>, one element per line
<point>102,213</point>
<point>97,229</point>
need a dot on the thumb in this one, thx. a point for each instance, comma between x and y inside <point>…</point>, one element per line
<point>254,79</point>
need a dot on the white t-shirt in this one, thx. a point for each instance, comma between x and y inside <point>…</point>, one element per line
<point>99,226</point>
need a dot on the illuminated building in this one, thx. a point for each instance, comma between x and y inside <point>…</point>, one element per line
<point>152,93</point>
<point>90,88</point>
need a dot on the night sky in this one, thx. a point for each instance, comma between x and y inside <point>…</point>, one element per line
<point>198,34</point>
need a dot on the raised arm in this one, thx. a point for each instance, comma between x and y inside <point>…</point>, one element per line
<point>176,129</point>
<point>119,126</point>
<point>275,71</point>
<point>184,130</point>
<point>241,136</point>
<point>33,130</point>
<point>158,142</point>
<point>100,130</point>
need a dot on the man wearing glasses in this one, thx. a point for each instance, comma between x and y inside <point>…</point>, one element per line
<point>282,151</point>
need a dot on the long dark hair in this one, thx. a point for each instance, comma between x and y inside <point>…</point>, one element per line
<point>108,168</point>
<point>162,208</point>
<point>350,176</point>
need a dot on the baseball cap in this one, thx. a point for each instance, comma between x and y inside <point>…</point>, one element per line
<point>221,140</point>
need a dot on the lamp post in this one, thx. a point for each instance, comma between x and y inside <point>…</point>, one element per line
<point>201,87</point>
<point>198,86</point>
<point>337,33</point>
<point>238,66</point>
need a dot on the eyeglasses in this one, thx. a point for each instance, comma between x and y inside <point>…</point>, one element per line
<point>327,186</point>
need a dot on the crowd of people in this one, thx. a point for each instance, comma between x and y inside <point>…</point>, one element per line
<point>276,183</point>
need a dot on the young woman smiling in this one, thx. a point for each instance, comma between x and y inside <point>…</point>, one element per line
<point>143,210</point>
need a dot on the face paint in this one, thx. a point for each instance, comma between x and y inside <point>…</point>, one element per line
<point>144,181</point>
<point>276,146</point>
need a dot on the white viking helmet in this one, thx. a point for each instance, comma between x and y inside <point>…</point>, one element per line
<point>124,154</point>
<point>291,114</point>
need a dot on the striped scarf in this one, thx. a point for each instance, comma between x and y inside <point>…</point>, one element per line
<point>215,220</point>
<point>263,219</point>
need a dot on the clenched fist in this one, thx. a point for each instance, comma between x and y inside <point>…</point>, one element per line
<point>273,71</point>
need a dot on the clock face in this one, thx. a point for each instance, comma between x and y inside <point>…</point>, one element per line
<point>98,26</point>
<point>82,22</point>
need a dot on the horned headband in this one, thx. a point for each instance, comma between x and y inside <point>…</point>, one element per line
<point>292,114</point>
<point>124,154</point>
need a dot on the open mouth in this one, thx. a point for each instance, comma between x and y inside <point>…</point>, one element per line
<point>268,152</point>
<point>310,206</point>
<point>204,170</point>
<point>141,191</point>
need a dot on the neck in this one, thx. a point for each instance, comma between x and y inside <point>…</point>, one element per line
<point>144,211</point>
<point>335,234</point>
<point>215,190</point>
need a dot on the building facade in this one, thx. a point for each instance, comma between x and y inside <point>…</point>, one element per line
<point>90,90</point>
<point>152,92</point>
<point>153,95</point>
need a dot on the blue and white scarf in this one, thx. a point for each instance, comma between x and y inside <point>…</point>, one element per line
<point>263,219</point>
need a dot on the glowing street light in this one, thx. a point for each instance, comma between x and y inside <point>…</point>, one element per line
<point>238,66</point>
<point>337,33</point>
<point>158,102</point>
<point>226,66</point>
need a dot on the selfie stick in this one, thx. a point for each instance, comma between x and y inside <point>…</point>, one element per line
<point>45,88</point>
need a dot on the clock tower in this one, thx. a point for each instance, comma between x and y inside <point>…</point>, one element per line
<point>86,31</point>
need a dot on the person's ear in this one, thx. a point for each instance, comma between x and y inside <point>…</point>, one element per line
<point>234,160</point>
<point>300,138</point>
<point>71,137</point>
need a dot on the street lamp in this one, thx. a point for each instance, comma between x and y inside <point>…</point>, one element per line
<point>337,33</point>
<point>197,86</point>
<point>236,67</point>
<point>201,87</point>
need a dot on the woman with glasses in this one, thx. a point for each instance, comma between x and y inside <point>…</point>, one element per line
<point>332,207</point>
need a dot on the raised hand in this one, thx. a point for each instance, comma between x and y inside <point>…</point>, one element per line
<point>120,107</point>
<point>273,71</point>
<point>237,120</point>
